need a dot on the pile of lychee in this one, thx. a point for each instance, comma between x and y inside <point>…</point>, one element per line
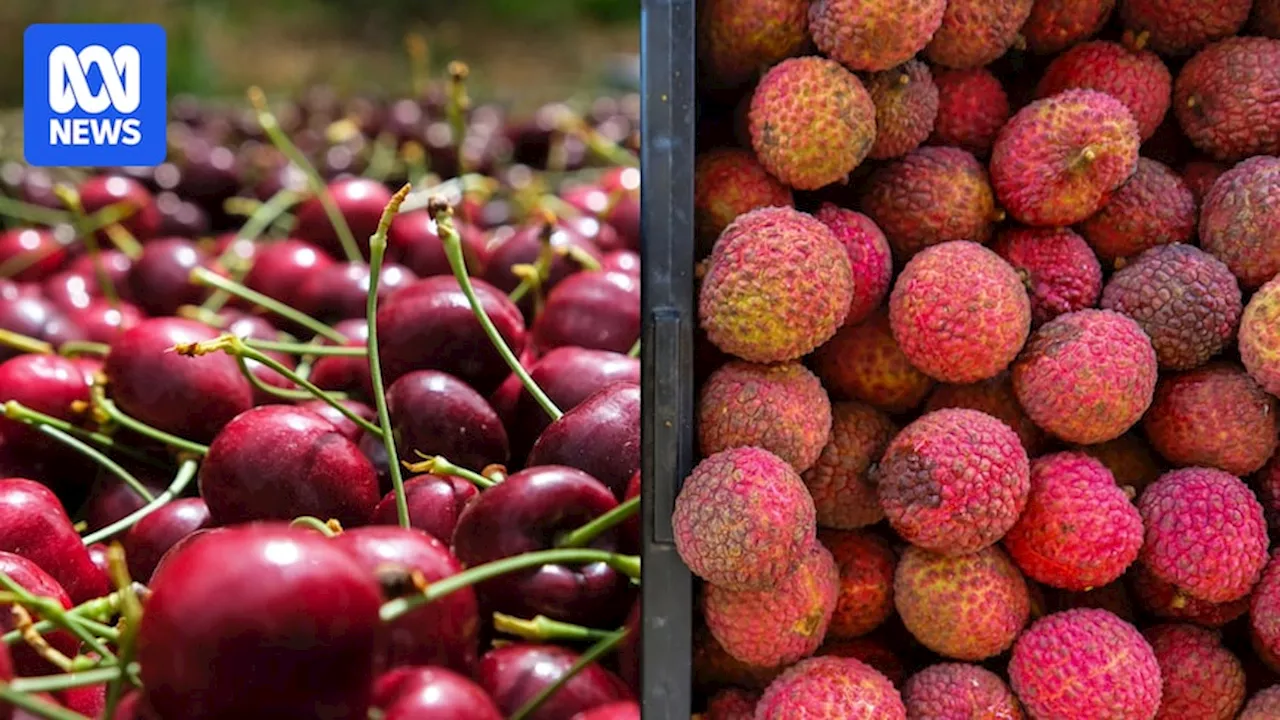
<point>989,299</point>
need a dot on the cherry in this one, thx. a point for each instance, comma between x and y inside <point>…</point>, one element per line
<point>34,524</point>
<point>529,511</point>
<point>340,292</point>
<point>98,554</point>
<point>622,710</point>
<point>192,397</point>
<point>505,398</point>
<point>276,462</point>
<point>515,674</point>
<point>210,174</point>
<point>131,707</point>
<point>100,191</point>
<point>36,581</point>
<point>280,268</point>
<point>114,262</point>
<point>413,242</point>
<point>404,120</point>
<point>524,245</point>
<point>429,325</point>
<point>628,655</point>
<point>353,329</point>
<point>242,324</point>
<point>262,621</point>
<point>46,383</point>
<point>568,375</point>
<point>625,215</point>
<point>89,700</point>
<point>161,278</point>
<point>179,217</point>
<point>431,692</point>
<point>102,322</point>
<point>69,290</point>
<point>434,502</point>
<point>35,186</point>
<point>445,632</point>
<point>372,447</point>
<point>601,436</point>
<point>34,316</point>
<point>625,261</point>
<point>600,233</point>
<point>345,426</point>
<point>344,373</point>
<point>599,309</point>
<point>110,499</point>
<point>630,529</point>
<point>6,675</point>
<point>38,249</point>
<point>435,413</point>
<point>147,542</point>
<point>360,200</point>
<point>243,249</point>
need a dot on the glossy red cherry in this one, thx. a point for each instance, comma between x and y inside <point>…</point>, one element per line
<point>115,263</point>
<point>34,524</point>
<point>280,268</point>
<point>147,542</point>
<point>161,278</point>
<point>38,250</point>
<point>435,413</point>
<point>37,582</point>
<point>628,655</point>
<point>89,700</point>
<point>110,499</point>
<point>601,436</point>
<point>414,693</point>
<point>210,173</point>
<point>276,462</point>
<point>100,191</point>
<point>626,261</point>
<point>46,383</point>
<point>623,710</point>
<point>434,504</point>
<point>568,375</point>
<point>630,529</point>
<point>98,554</point>
<point>344,373</point>
<point>33,316</point>
<point>261,621</point>
<point>515,674</point>
<point>598,310</point>
<point>524,245</point>
<point>192,397</point>
<point>443,633</point>
<point>180,217</point>
<point>412,241</point>
<point>340,291</point>
<point>103,321</point>
<point>345,426</point>
<point>6,675</point>
<point>360,200</point>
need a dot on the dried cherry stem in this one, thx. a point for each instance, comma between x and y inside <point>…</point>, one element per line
<point>438,465</point>
<point>52,610</point>
<point>84,347</point>
<point>257,223</point>
<point>602,647</point>
<point>458,105</point>
<point>25,343</point>
<point>131,618</point>
<point>16,411</point>
<point>306,348</point>
<point>186,472</point>
<point>113,413</point>
<point>51,683</point>
<point>331,528</point>
<point>271,126</point>
<point>584,535</point>
<point>34,640</point>
<point>443,214</point>
<point>377,250</point>
<point>204,276</point>
<point>543,629</point>
<point>36,706</point>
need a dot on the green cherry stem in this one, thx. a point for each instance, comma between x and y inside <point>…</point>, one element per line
<point>377,250</point>
<point>131,615</point>
<point>602,647</point>
<point>456,109</point>
<point>584,535</point>
<point>543,629</point>
<point>16,411</point>
<point>97,456</point>
<point>443,214</point>
<point>257,223</point>
<point>204,276</point>
<point>52,610</point>
<point>101,608</point>
<point>117,416</point>
<point>281,141</point>
<point>306,348</point>
<point>66,681</point>
<point>314,523</point>
<point>24,343</point>
<point>438,465</point>
<point>37,706</point>
<point>185,473</point>
<point>84,347</point>
<point>286,394</point>
<point>29,212</point>
<point>635,349</point>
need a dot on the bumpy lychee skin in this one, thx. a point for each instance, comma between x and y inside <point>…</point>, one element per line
<point>831,687</point>
<point>778,284</point>
<point>1055,25</point>
<point>1240,219</point>
<point>811,122</point>
<point>1130,460</point>
<point>1260,336</point>
<point>1164,600</point>
<point>1079,530</point>
<point>732,704</point>
<point>778,626</point>
<point>1200,175</point>
<point>1184,299</point>
<point>1154,208</point>
<point>736,39</point>
<point>743,519</point>
<point>954,481</point>
<point>840,481</point>
<point>967,607</point>
<point>869,256</point>
<point>959,312</point>
<point>1201,678</point>
<point>1059,268</point>
<point>1180,27</point>
<point>1086,376</point>
<point>729,182</point>
<point>931,196</point>
<point>713,667</point>
<point>1264,705</point>
<point>996,398</point>
<point>906,107</point>
<point>975,32</point>
<point>1215,416</point>
<point>1134,76</point>
<point>1227,97</point>
<point>972,107</point>
<point>1264,613</point>
<point>1057,161</point>
<point>866,565</point>
<point>1204,533</point>
<point>1085,665</point>
<point>873,36</point>
<point>1267,485</point>
<point>780,408</point>
<point>863,362</point>
<point>959,691</point>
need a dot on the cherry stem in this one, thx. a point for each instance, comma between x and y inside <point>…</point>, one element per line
<point>455,189</point>
<point>584,535</point>
<point>377,250</point>
<point>116,415</point>
<point>573,124</point>
<point>185,473</point>
<point>205,276</point>
<point>533,275</point>
<point>438,465</point>
<point>271,126</point>
<point>97,456</point>
<point>602,647</point>
<point>382,160</point>
<point>288,394</point>
<point>52,610</point>
<point>328,529</point>
<point>50,683</point>
<point>626,564</point>
<point>257,223</point>
<point>15,411</point>
<point>543,629</point>
<point>635,349</point>
<point>32,213</point>
<point>131,616</point>
<point>419,63</point>
<point>443,214</point>
<point>25,343</point>
<point>456,109</point>
<point>306,348</point>
<point>37,706</point>
<point>101,608</point>
<point>84,347</point>
<point>71,198</point>
<point>415,162</point>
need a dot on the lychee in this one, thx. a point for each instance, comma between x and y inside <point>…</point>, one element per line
<point>1055,25</point>
<point>869,256</point>
<point>840,481</point>
<point>1265,705</point>
<point>1130,460</point>
<point>959,691</point>
<point>994,397</point>
<point>1201,678</point>
<point>1264,613</point>
<point>1260,336</point>
<point>1180,27</point>
<point>827,688</point>
<point>975,32</point>
<point>1227,97</point>
<point>1059,268</point>
<point>873,36</point>
<point>732,704</point>
<point>714,668</point>
<point>906,106</point>
<point>1154,208</point>
<point>729,182</point>
<point>863,362</point>
<point>1164,600</point>
<point>1133,75</point>
<point>1200,175</point>
<point>972,107</point>
<point>736,39</point>
<point>1267,485</point>
<point>866,565</point>
<point>1240,219</point>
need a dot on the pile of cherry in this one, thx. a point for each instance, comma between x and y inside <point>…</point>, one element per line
<point>208,364</point>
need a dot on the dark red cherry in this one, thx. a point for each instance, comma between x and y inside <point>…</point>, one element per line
<point>38,582</point>
<point>180,218</point>
<point>623,186</point>
<point>413,242</point>
<point>429,326</point>
<point>35,185</point>
<point>631,528</point>
<point>161,278</point>
<point>276,462</point>
<point>192,397</point>
<point>89,700</point>
<point>36,250</point>
<point>34,316</point>
<point>249,326</point>
<point>101,191</point>
<point>69,290</point>
<point>210,174</point>
<point>34,524</point>
<point>284,176</point>
<point>413,693</point>
<point>504,399</point>
<point>434,504</point>
<point>345,426</point>
<point>352,329</point>
<point>625,261</point>
<point>102,321</point>
<point>628,656</point>
<point>371,447</point>
<point>360,200</point>
<point>46,383</point>
<point>598,310</point>
<point>568,375</point>
<point>232,245</point>
<point>280,268</point>
<point>524,245</point>
<point>515,674</point>
<point>110,499</point>
<point>529,511</point>
<point>600,233</point>
<point>261,621</point>
<point>344,373</point>
<point>341,291</point>
<point>601,436</point>
<point>116,264</point>
<point>435,413</point>
<point>147,542</point>
<point>445,632</point>
<point>622,710</point>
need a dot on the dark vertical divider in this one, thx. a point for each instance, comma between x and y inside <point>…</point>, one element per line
<point>667,348</point>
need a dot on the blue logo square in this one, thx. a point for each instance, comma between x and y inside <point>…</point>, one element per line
<point>94,95</point>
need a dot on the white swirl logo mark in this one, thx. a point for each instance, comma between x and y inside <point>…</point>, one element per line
<point>69,85</point>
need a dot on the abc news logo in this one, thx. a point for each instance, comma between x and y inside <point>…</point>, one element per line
<point>121,90</point>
